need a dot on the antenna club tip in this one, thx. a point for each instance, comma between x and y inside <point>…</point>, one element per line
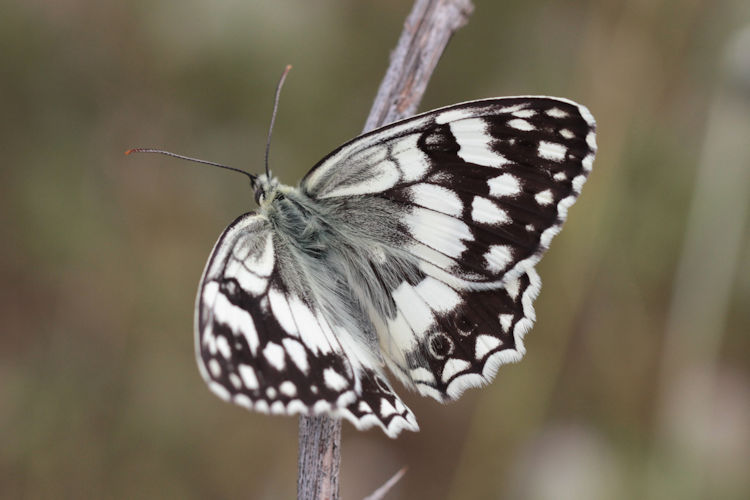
<point>141,150</point>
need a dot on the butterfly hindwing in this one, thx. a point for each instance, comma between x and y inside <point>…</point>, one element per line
<point>263,343</point>
<point>443,347</point>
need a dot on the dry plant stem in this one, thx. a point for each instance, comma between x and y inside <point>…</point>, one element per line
<point>427,30</point>
<point>381,492</point>
<point>319,458</point>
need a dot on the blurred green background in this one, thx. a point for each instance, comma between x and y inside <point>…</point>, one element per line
<point>637,379</point>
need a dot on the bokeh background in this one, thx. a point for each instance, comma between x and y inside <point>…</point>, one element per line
<point>637,379</point>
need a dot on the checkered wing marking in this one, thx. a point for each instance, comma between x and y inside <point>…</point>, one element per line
<point>482,187</point>
<point>263,343</point>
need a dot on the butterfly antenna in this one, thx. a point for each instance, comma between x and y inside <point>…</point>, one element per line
<point>196,160</point>
<point>273,115</point>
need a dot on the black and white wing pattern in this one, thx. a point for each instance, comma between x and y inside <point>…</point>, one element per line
<point>264,342</point>
<point>412,247</point>
<point>479,191</point>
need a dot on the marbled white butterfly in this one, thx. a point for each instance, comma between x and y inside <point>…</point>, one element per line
<point>411,247</point>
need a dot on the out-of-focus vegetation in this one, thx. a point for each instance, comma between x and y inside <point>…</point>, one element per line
<point>101,254</point>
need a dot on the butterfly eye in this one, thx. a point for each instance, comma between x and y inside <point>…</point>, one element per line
<point>260,196</point>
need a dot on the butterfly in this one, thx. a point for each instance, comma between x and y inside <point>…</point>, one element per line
<point>411,247</point>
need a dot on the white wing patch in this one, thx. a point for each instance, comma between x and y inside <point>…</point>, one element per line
<point>384,175</point>
<point>439,296</point>
<point>475,145</point>
<point>544,197</point>
<point>437,231</point>
<point>436,198</point>
<point>248,377</point>
<point>498,257</point>
<point>415,311</point>
<point>504,185</point>
<point>485,211</point>
<point>520,124</point>
<point>552,151</point>
<point>411,161</point>
<point>274,354</point>
<point>333,380</point>
<point>236,318</point>
<point>247,280</point>
<point>484,345</point>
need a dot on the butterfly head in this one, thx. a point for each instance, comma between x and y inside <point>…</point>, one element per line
<point>264,185</point>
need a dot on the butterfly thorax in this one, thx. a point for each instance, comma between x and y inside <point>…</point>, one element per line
<point>296,217</point>
<point>311,246</point>
<point>351,261</point>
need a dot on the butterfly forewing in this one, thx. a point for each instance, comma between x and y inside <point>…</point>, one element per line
<point>484,184</point>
